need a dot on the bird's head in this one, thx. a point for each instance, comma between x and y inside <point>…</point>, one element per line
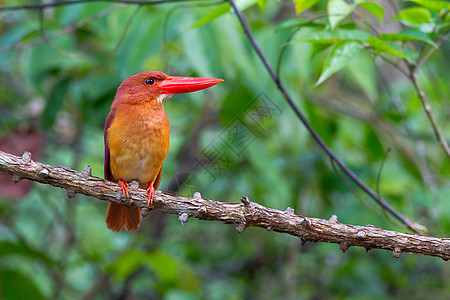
<point>157,86</point>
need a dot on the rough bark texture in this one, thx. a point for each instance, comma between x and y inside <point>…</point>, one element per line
<point>242,214</point>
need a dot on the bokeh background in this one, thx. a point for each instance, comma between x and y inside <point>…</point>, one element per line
<point>60,68</point>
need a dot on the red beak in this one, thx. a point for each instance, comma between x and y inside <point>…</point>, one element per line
<point>179,85</point>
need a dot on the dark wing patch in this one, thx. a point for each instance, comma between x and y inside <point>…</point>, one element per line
<point>107,169</point>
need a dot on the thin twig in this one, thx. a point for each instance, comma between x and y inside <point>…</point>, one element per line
<point>63,3</point>
<point>421,58</point>
<point>118,44</point>
<point>48,43</point>
<point>380,170</point>
<point>411,224</point>
<point>352,190</point>
<point>377,185</point>
<point>427,108</point>
<point>365,21</point>
<point>431,51</point>
<point>61,31</point>
<point>286,43</point>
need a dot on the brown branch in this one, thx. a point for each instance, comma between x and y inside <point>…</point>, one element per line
<point>427,107</point>
<point>243,214</point>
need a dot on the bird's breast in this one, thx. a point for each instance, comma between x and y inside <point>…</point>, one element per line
<point>138,140</point>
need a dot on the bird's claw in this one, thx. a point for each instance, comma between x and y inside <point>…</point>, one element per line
<point>151,192</point>
<point>124,187</point>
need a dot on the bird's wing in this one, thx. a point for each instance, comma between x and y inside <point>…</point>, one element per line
<point>107,168</point>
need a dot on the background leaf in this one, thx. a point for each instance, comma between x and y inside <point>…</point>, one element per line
<point>373,8</point>
<point>338,10</point>
<point>415,15</point>
<point>55,102</point>
<point>262,3</point>
<point>14,285</point>
<point>341,54</point>
<point>330,37</point>
<point>381,46</point>
<point>433,5</point>
<point>223,9</point>
<point>408,35</point>
<point>302,5</point>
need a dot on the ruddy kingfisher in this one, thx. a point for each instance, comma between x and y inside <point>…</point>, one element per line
<point>137,137</point>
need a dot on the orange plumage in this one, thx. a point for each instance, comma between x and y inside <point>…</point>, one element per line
<point>137,136</point>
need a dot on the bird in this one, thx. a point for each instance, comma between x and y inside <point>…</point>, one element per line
<point>137,135</point>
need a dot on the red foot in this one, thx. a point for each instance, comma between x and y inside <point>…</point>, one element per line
<point>151,192</point>
<point>124,187</point>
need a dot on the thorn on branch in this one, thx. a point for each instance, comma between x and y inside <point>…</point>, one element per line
<point>303,241</point>
<point>396,252</point>
<point>368,249</point>
<point>333,219</point>
<point>16,178</point>
<point>344,246</point>
<point>145,211</point>
<point>183,218</point>
<point>241,227</point>
<point>157,197</point>
<point>306,224</point>
<point>289,211</point>
<point>134,184</point>
<point>361,235</point>
<point>197,196</point>
<point>87,171</point>
<point>43,173</point>
<point>26,156</point>
<point>269,228</point>
<point>71,193</point>
<point>245,200</point>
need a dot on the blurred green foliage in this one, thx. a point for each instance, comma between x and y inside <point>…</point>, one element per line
<point>59,77</point>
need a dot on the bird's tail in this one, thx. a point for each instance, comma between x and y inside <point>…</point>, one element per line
<point>118,216</point>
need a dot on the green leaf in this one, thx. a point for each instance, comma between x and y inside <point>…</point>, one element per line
<point>341,54</point>
<point>301,5</point>
<point>436,6</point>
<point>338,10</point>
<point>319,48</point>
<point>374,9</point>
<point>10,248</point>
<point>408,35</point>
<point>262,3</point>
<point>379,45</point>
<point>54,103</point>
<point>414,15</point>
<point>14,285</point>
<point>127,263</point>
<point>373,144</point>
<point>161,264</point>
<point>330,37</point>
<point>221,10</point>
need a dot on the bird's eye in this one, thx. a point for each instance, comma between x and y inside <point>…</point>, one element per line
<point>150,81</point>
